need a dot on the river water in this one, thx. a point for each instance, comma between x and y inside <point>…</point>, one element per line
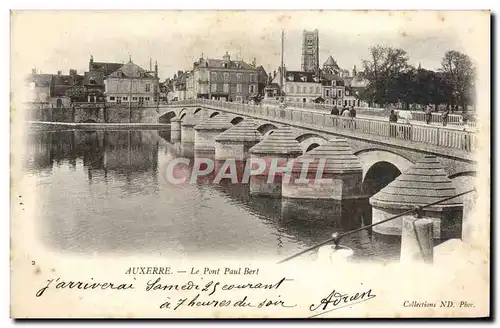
<point>105,192</point>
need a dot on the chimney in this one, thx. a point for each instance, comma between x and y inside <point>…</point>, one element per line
<point>33,71</point>
<point>59,72</point>
<point>72,72</point>
<point>254,62</point>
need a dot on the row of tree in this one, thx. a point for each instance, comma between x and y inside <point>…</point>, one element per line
<point>392,80</point>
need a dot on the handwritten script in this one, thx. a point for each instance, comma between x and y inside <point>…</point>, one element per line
<point>213,293</point>
<point>336,300</point>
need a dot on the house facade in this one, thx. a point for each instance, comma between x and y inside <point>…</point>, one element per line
<point>298,86</point>
<point>224,79</point>
<point>40,87</point>
<point>333,92</point>
<point>132,84</point>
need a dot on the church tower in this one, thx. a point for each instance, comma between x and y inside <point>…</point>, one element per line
<point>310,51</point>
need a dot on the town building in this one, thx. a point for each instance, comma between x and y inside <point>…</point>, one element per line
<point>333,91</point>
<point>310,51</point>
<point>40,86</point>
<point>225,79</point>
<point>298,86</point>
<point>94,79</point>
<point>51,90</point>
<point>182,86</point>
<point>61,84</point>
<point>262,79</point>
<point>132,84</point>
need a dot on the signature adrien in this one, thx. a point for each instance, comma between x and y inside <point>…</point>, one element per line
<point>337,300</point>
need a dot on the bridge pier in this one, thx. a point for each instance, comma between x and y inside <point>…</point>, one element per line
<point>275,150</point>
<point>331,171</point>
<point>187,127</point>
<point>424,183</point>
<point>175,129</point>
<point>206,132</point>
<point>235,142</point>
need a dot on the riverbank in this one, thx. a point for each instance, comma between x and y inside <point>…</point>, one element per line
<point>96,126</point>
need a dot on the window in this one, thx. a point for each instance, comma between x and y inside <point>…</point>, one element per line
<point>118,100</point>
<point>213,87</point>
<point>59,102</point>
<point>238,88</point>
<point>311,90</point>
<point>347,92</point>
<point>252,88</point>
<point>290,89</point>
<point>147,99</point>
<point>238,77</point>
<point>317,90</point>
<point>252,77</point>
<point>213,76</point>
<point>238,98</point>
<point>304,100</point>
<point>304,90</point>
<point>112,98</point>
<point>340,93</point>
<point>134,98</point>
<point>225,66</point>
<point>226,88</point>
<point>148,87</point>
<point>327,93</point>
<point>125,98</point>
<point>226,76</point>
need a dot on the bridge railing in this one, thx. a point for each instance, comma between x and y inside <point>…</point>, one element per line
<point>428,134</point>
<point>453,119</point>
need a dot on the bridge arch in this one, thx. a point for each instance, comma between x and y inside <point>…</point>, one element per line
<point>197,110</point>
<point>266,128</point>
<point>311,147</point>
<point>236,120</point>
<point>214,114</point>
<point>167,117</point>
<point>380,167</point>
<point>309,141</point>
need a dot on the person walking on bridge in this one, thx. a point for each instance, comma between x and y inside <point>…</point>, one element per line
<point>345,115</point>
<point>352,111</point>
<point>335,111</point>
<point>393,118</point>
<point>444,117</point>
<point>428,114</point>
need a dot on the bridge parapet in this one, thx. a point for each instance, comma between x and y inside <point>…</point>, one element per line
<point>436,136</point>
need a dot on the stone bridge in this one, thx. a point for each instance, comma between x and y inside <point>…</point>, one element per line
<point>385,150</point>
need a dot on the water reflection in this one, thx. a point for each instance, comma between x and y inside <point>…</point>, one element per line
<point>104,191</point>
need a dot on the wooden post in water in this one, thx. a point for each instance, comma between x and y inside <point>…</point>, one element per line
<point>417,242</point>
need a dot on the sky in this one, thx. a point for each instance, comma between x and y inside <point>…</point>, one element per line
<point>52,41</point>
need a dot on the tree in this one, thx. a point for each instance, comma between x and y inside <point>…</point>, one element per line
<point>460,73</point>
<point>382,71</point>
<point>76,93</point>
